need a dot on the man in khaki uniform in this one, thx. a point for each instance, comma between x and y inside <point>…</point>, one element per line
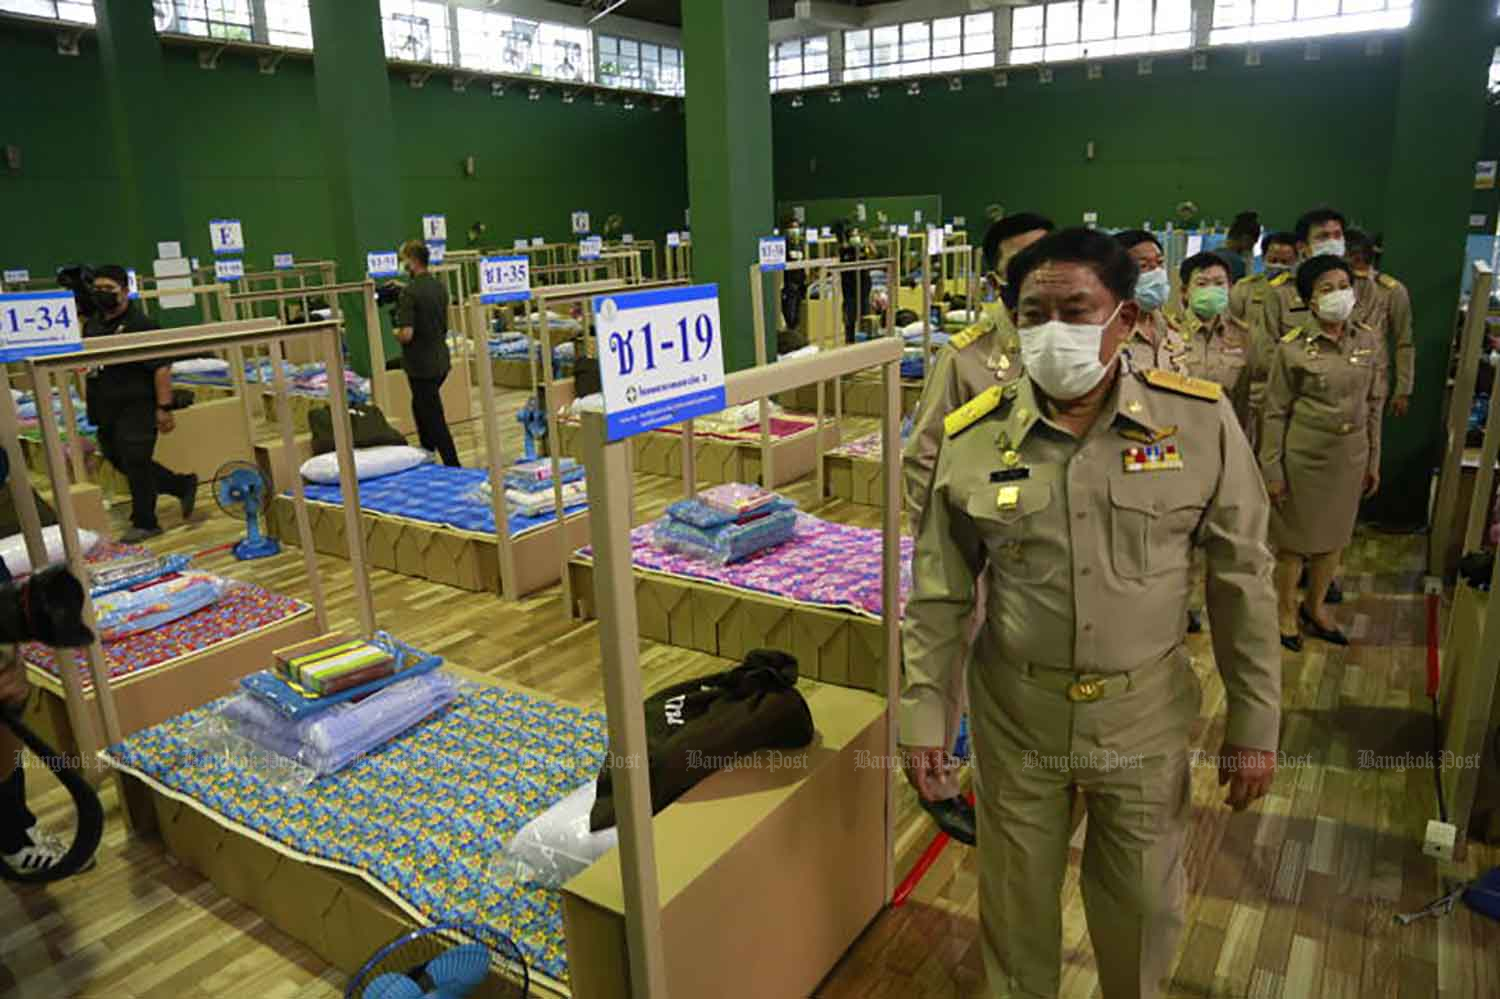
<point>1247,306</point>
<point>1155,342</point>
<point>1078,500</point>
<point>1384,304</point>
<point>1319,232</point>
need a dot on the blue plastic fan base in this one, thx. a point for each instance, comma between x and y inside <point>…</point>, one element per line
<point>259,547</point>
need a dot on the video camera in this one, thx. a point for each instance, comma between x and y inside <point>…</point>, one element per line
<point>388,293</point>
<point>79,279</point>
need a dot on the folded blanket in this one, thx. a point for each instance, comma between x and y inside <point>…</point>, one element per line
<point>728,543</point>
<point>736,498</point>
<point>331,740</point>
<point>697,513</point>
<point>155,603</point>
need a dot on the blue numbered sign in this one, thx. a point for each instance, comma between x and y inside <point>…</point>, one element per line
<point>282,261</point>
<point>661,357</point>
<point>590,248</point>
<point>537,242</point>
<point>33,323</point>
<point>17,276</point>
<point>504,279</point>
<point>935,240</point>
<point>628,238</point>
<point>229,270</point>
<point>520,244</point>
<point>773,253</point>
<point>435,228</point>
<point>382,264</point>
<point>226,236</point>
<point>674,239</point>
<point>134,283</point>
<point>437,249</point>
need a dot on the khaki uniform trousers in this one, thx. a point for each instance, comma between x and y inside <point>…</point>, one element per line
<point>1127,752</point>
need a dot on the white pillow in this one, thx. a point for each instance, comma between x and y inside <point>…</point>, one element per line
<point>200,365</point>
<point>369,463</point>
<point>13,548</point>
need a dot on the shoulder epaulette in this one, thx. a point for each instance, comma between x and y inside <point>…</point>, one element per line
<point>972,411</point>
<point>1171,381</point>
<point>1388,281</point>
<point>1294,334</point>
<point>1280,279</point>
<point>968,335</point>
<point>1251,279</point>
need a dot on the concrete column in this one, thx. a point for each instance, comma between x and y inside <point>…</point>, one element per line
<point>1439,118</point>
<point>359,146</point>
<point>135,91</point>
<point>729,158</point>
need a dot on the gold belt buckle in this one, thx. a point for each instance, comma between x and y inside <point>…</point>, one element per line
<point>1085,690</point>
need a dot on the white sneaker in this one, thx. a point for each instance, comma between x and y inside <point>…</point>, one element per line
<point>45,850</point>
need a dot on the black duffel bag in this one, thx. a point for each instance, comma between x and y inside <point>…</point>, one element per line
<point>371,428</point>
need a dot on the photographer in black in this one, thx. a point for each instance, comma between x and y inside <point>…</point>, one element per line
<point>421,327</point>
<point>130,404</point>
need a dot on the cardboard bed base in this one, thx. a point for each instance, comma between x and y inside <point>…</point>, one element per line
<point>715,460</point>
<point>757,834</point>
<point>833,646</point>
<point>465,559</point>
<point>863,396</point>
<point>857,480</point>
<point>507,372</point>
<point>153,695</point>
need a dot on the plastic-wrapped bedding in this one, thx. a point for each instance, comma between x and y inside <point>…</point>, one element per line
<point>729,543</point>
<point>332,739</point>
<point>161,601</point>
<point>557,845</point>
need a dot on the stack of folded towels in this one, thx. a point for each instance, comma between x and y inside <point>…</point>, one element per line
<point>727,523</point>
<point>331,700</point>
<point>528,487</point>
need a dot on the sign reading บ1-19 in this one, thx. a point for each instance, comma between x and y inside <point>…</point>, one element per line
<point>661,357</point>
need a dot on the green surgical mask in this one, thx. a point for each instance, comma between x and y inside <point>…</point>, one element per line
<point>1209,301</point>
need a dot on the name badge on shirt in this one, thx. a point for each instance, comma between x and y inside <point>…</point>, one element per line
<point>1010,475</point>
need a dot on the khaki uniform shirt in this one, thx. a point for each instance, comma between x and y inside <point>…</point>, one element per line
<point>1325,385</point>
<point>1090,566</point>
<point>1383,303</point>
<point>982,356</point>
<point>1218,350</point>
<point>1156,343</point>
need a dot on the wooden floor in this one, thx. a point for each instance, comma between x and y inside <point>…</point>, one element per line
<point>1294,898</point>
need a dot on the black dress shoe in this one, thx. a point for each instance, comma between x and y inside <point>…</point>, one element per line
<point>1332,636</point>
<point>1335,594</point>
<point>189,497</point>
<point>954,816</point>
<point>1195,622</point>
<point>1292,643</point>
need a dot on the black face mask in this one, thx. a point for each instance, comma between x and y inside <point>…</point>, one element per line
<point>109,301</point>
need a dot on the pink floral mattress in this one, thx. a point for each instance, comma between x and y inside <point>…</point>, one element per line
<point>243,609</point>
<point>781,427</point>
<point>865,448</point>
<point>825,565</point>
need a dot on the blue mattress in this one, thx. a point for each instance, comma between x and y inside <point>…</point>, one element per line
<point>435,494</point>
<point>422,818</point>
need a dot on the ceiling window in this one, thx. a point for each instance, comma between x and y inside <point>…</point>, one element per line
<point>288,23</point>
<point>799,62</point>
<point>1094,29</point>
<point>1240,21</point>
<point>920,48</point>
<point>228,19</point>
<point>633,65</point>
<point>417,31</point>
<point>499,43</point>
<point>77,11</point>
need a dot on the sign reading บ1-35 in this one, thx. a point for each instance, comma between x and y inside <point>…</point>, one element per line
<point>661,357</point>
<point>505,279</point>
<point>33,323</point>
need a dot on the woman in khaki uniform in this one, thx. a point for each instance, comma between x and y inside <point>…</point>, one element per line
<point>1320,446</point>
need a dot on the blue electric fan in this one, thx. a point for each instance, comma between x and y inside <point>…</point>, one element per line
<point>428,964</point>
<point>240,488</point>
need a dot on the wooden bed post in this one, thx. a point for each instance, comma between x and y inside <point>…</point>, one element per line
<point>299,493</point>
<point>1484,480</point>
<point>379,391</point>
<point>890,588</point>
<point>338,404</point>
<point>74,442</point>
<point>67,519</point>
<point>491,420</point>
<point>1458,420</point>
<point>758,318</point>
<point>610,489</point>
<point>554,454</point>
<point>927,308</point>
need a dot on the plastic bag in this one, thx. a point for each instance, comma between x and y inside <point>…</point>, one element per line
<point>556,846</point>
<point>729,543</point>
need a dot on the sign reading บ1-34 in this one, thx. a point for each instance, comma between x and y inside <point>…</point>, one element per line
<point>661,357</point>
<point>33,323</point>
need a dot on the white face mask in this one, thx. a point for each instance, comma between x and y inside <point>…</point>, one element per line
<point>1328,248</point>
<point>1336,306</point>
<point>1063,358</point>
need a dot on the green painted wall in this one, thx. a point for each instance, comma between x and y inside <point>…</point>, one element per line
<point>248,147</point>
<point>1279,138</point>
